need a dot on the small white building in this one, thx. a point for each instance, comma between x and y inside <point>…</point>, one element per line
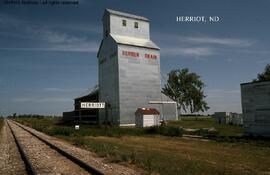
<point>222,117</point>
<point>147,117</point>
<point>236,119</point>
<point>228,118</point>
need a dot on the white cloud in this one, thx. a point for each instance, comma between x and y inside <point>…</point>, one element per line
<point>199,45</point>
<point>22,99</point>
<point>41,100</point>
<point>90,47</point>
<point>48,39</point>
<point>63,89</point>
<point>188,51</point>
<point>54,99</point>
<point>233,42</point>
<point>58,41</point>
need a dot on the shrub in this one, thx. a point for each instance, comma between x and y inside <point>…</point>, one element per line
<point>170,131</point>
<point>61,131</point>
<point>152,130</point>
<point>165,130</point>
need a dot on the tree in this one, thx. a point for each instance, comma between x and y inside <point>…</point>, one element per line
<point>186,89</point>
<point>265,76</point>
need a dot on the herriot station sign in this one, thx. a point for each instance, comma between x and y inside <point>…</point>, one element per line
<point>92,105</point>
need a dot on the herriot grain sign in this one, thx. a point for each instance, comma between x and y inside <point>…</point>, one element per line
<point>90,105</point>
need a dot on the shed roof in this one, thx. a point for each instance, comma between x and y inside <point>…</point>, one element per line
<point>148,111</point>
<point>126,40</point>
<point>256,82</point>
<point>118,13</point>
<point>89,94</point>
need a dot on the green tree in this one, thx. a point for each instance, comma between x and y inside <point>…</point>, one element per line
<point>265,76</point>
<point>186,89</point>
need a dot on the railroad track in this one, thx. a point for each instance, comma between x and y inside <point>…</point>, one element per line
<point>25,139</point>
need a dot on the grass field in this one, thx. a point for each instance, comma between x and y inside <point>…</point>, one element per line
<point>207,122</point>
<point>166,155</point>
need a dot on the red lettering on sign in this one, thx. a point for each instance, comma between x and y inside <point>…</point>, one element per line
<point>131,54</point>
<point>150,56</point>
<point>136,54</point>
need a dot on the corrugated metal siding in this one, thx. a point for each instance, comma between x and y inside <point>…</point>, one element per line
<point>139,82</point>
<point>108,80</point>
<point>147,120</point>
<point>256,108</point>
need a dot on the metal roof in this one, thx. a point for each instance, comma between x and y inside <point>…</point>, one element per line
<point>89,92</point>
<point>118,13</point>
<point>256,82</point>
<point>126,40</point>
<point>147,111</point>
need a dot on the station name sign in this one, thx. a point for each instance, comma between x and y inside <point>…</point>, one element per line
<point>92,105</point>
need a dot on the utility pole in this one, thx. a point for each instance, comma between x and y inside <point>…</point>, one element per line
<point>80,113</point>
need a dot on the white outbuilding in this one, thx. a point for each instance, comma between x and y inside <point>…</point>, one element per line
<point>222,117</point>
<point>256,108</point>
<point>236,119</point>
<point>147,117</point>
<point>228,118</point>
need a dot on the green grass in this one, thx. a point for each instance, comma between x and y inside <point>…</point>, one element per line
<point>53,126</point>
<point>148,149</point>
<point>172,128</point>
<point>207,122</point>
<point>194,122</point>
<point>173,155</point>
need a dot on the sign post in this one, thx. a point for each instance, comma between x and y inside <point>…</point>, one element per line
<point>90,105</point>
<point>79,116</point>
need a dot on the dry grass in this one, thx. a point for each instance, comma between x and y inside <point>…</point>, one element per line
<point>1,125</point>
<point>179,155</point>
<point>1,122</point>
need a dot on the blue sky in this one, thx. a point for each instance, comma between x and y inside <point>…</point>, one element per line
<point>48,53</point>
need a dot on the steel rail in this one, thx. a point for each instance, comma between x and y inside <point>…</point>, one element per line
<point>74,159</point>
<point>28,165</point>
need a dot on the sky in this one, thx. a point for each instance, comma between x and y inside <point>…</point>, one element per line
<point>48,53</point>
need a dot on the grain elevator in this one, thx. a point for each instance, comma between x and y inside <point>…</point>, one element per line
<point>128,74</point>
<point>129,67</point>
